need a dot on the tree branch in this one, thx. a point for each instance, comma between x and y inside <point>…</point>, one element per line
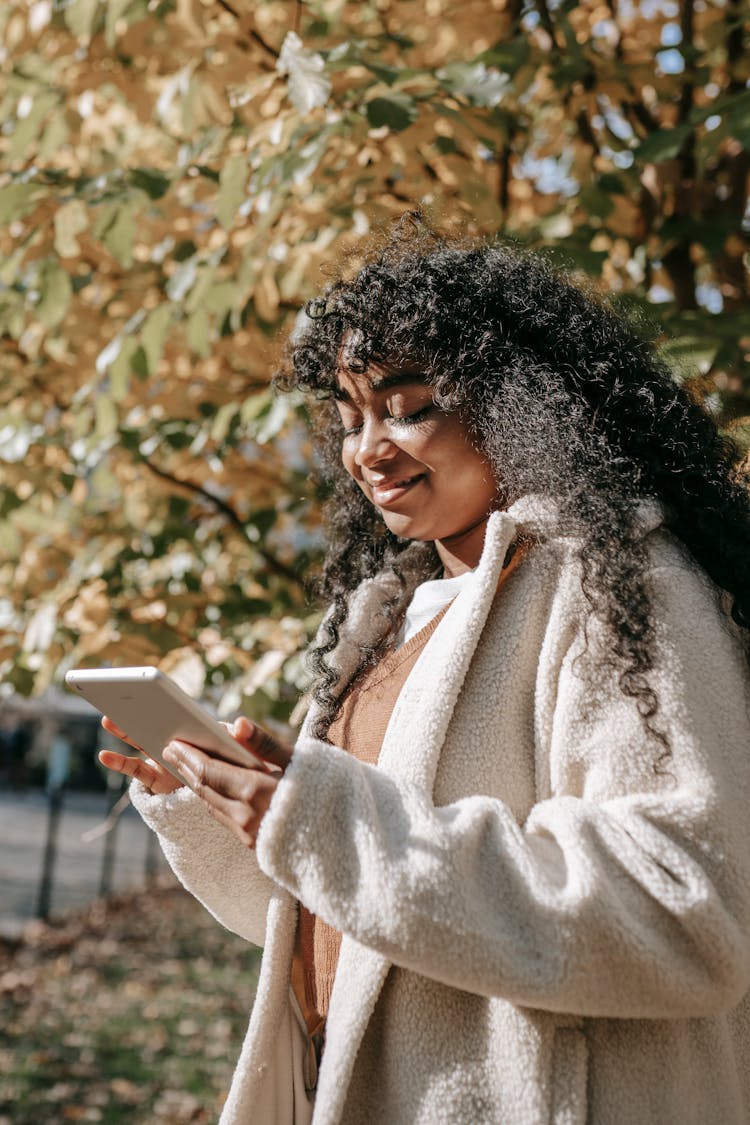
<point>735,50</point>
<point>678,261</point>
<point>585,132</point>
<point>503,180</point>
<point>275,565</point>
<point>686,47</point>
<point>253,34</point>
<point>258,38</point>
<point>633,107</point>
<point>297,16</point>
<point>642,114</point>
<point>547,23</point>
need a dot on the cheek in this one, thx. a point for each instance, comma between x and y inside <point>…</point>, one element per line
<point>348,452</point>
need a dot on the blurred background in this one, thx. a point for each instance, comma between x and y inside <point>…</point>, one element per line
<point>177,179</point>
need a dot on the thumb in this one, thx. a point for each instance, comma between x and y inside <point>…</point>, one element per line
<point>262,742</point>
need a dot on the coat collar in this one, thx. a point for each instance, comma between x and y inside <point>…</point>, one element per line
<point>454,641</point>
<point>421,716</point>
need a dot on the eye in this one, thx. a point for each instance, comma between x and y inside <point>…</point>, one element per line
<point>412,419</point>
<point>351,420</point>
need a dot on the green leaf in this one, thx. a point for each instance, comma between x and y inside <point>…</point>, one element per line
<point>396,110</point>
<point>664,144</point>
<point>481,85</point>
<point>70,220</point>
<point>9,499</point>
<point>611,183</point>
<point>194,299</point>
<point>56,290</point>
<point>232,181</point>
<point>154,183</point>
<point>120,369</point>
<point>80,16</point>
<point>16,200</point>
<point>596,202</point>
<point>272,421</point>
<point>184,250</point>
<point>119,235</point>
<point>10,540</point>
<point>208,173</point>
<point>223,421</point>
<point>687,355</point>
<point>254,406</point>
<point>12,316</point>
<point>445,145</point>
<point>27,128</point>
<point>198,332</point>
<point>220,297</point>
<point>727,105</point>
<point>738,119</point>
<point>105,414</point>
<point>387,74</point>
<point>139,363</point>
<point>115,9</point>
<point>53,138</point>
<point>709,232</point>
<point>264,520</point>
<point>509,56</point>
<point>153,336</point>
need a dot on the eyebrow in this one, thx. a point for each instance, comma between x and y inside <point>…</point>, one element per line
<point>384,383</point>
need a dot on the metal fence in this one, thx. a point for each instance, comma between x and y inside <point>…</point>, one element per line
<point>59,850</point>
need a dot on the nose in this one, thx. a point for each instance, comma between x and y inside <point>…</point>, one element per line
<point>375,444</point>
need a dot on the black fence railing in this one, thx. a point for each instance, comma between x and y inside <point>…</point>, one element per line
<point>61,849</point>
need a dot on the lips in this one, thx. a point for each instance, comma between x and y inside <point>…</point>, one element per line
<point>387,492</point>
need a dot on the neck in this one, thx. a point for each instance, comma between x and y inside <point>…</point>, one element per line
<point>462,552</point>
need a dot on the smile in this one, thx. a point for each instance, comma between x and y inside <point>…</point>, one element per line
<point>385,493</point>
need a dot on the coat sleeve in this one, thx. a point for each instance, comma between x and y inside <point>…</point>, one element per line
<point>207,859</point>
<point>626,893</point>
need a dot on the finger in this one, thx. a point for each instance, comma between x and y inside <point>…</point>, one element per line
<point>262,742</point>
<point>148,773</point>
<point>236,796</point>
<point>117,732</point>
<point>245,827</point>
<point>205,772</point>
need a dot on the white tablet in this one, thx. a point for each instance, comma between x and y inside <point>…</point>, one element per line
<point>152,710</point>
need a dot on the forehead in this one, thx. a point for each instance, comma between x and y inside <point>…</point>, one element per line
<point>378,378</point>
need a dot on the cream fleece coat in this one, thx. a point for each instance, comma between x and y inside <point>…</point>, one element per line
<point>542,924</point>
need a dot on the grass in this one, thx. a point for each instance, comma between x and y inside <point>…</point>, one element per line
<point>132,1011</point>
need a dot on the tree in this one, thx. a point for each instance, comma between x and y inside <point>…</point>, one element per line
<point>176,176</point>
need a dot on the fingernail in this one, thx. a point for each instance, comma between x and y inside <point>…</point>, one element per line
<point>169,753</point>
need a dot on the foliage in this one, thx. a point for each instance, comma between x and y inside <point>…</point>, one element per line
<point>132,1011</point>
<point>178,174</point>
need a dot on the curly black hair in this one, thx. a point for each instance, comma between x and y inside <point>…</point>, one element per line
<point>565,396</point>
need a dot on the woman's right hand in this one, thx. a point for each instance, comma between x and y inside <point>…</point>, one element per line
<point>150,773</point>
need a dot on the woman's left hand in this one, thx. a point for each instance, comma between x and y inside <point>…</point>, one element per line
<point>237,796</point>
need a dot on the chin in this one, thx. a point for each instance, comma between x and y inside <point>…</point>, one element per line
<point>404,528</point>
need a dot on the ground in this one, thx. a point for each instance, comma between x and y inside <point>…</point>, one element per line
<point>130,1011</point>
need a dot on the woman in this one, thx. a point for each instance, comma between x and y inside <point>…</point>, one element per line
<point>508,860</point>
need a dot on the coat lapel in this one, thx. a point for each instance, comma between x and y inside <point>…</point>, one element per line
<point>411,749</point>
<point>419,722</point>
<point>360,976</point>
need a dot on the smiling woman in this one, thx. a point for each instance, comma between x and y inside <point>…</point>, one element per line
<point>416,463</point>
<point>504,873</point>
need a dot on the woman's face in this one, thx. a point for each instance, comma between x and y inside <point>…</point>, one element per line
<point>416,463</point>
